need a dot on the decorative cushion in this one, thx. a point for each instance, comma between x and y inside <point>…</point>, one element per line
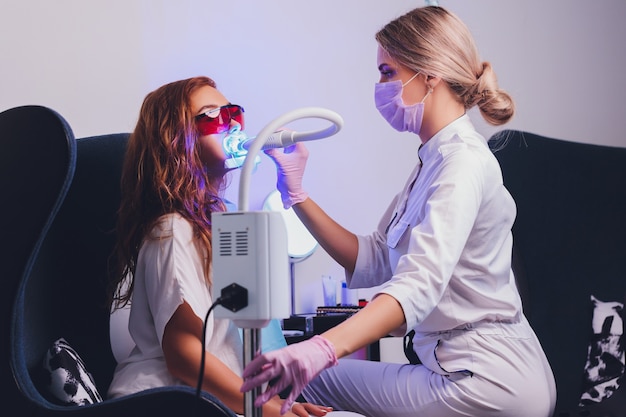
<point>66,378</point>
<point>605,353</point>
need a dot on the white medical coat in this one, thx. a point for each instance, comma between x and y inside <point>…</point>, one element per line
<point>443,248</point>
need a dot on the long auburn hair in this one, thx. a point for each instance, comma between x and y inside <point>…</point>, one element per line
<point>163,173</point>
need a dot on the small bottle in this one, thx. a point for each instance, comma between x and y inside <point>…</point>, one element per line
<point>345,294</point>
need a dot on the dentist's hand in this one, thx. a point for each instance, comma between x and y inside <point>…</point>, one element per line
<point>295,365</point>
<point>290,163</point>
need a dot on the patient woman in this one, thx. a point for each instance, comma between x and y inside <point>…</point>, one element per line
<point>172,180</point>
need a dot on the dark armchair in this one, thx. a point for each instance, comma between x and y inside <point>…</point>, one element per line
<point>62,294</point>
<point>569,243</point>
<point>37,159</point>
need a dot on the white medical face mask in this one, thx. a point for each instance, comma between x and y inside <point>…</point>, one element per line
<point>403,118</point>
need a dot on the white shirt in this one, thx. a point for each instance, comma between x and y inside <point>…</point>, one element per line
<point>169,271</point>
<point>443,248</point>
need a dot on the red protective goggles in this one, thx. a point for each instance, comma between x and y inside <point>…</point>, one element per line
<point>218,120</point>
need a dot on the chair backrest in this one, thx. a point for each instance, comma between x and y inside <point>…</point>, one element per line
<point>64,295</point>
<point>37,156</point>
<point>569,241</point>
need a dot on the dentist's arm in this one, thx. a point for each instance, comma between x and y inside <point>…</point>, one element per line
<point>341,244</point>
<point>377,319</point>
<point>297,364</point>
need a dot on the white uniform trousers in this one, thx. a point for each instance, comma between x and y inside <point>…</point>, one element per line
<point>510,377</point>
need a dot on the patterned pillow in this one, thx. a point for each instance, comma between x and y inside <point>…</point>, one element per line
<point>66,378</point>
<point>605,353</point>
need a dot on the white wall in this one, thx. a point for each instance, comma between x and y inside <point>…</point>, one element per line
<point>94,61</point>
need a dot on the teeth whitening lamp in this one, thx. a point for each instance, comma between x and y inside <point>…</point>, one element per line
<point>250,247</point>
<point>237,144</point>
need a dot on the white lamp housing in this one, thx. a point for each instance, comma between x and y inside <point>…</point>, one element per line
<point>250,249</point>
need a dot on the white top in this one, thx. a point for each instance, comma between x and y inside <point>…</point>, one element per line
<point>443,248</point>
<point>169,271</point>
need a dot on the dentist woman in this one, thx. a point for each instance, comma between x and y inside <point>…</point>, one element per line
<point>442,253</point>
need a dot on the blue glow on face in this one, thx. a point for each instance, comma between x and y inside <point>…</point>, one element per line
<point>233,142</point>
<point>233,145</point>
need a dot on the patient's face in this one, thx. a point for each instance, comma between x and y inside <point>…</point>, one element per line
<point>212,153</point>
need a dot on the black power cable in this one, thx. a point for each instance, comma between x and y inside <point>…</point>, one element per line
<point>233,297</point>
<point>203,357</point>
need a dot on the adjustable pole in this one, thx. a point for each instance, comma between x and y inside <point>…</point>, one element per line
<point>251,345</point>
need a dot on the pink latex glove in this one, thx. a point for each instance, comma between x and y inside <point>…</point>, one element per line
<point>290,163</point>
<point>294,365</point>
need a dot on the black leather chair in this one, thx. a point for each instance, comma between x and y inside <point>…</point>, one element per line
<point>63,294</point>
<point>569,243</point>
<point>37,154</point>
